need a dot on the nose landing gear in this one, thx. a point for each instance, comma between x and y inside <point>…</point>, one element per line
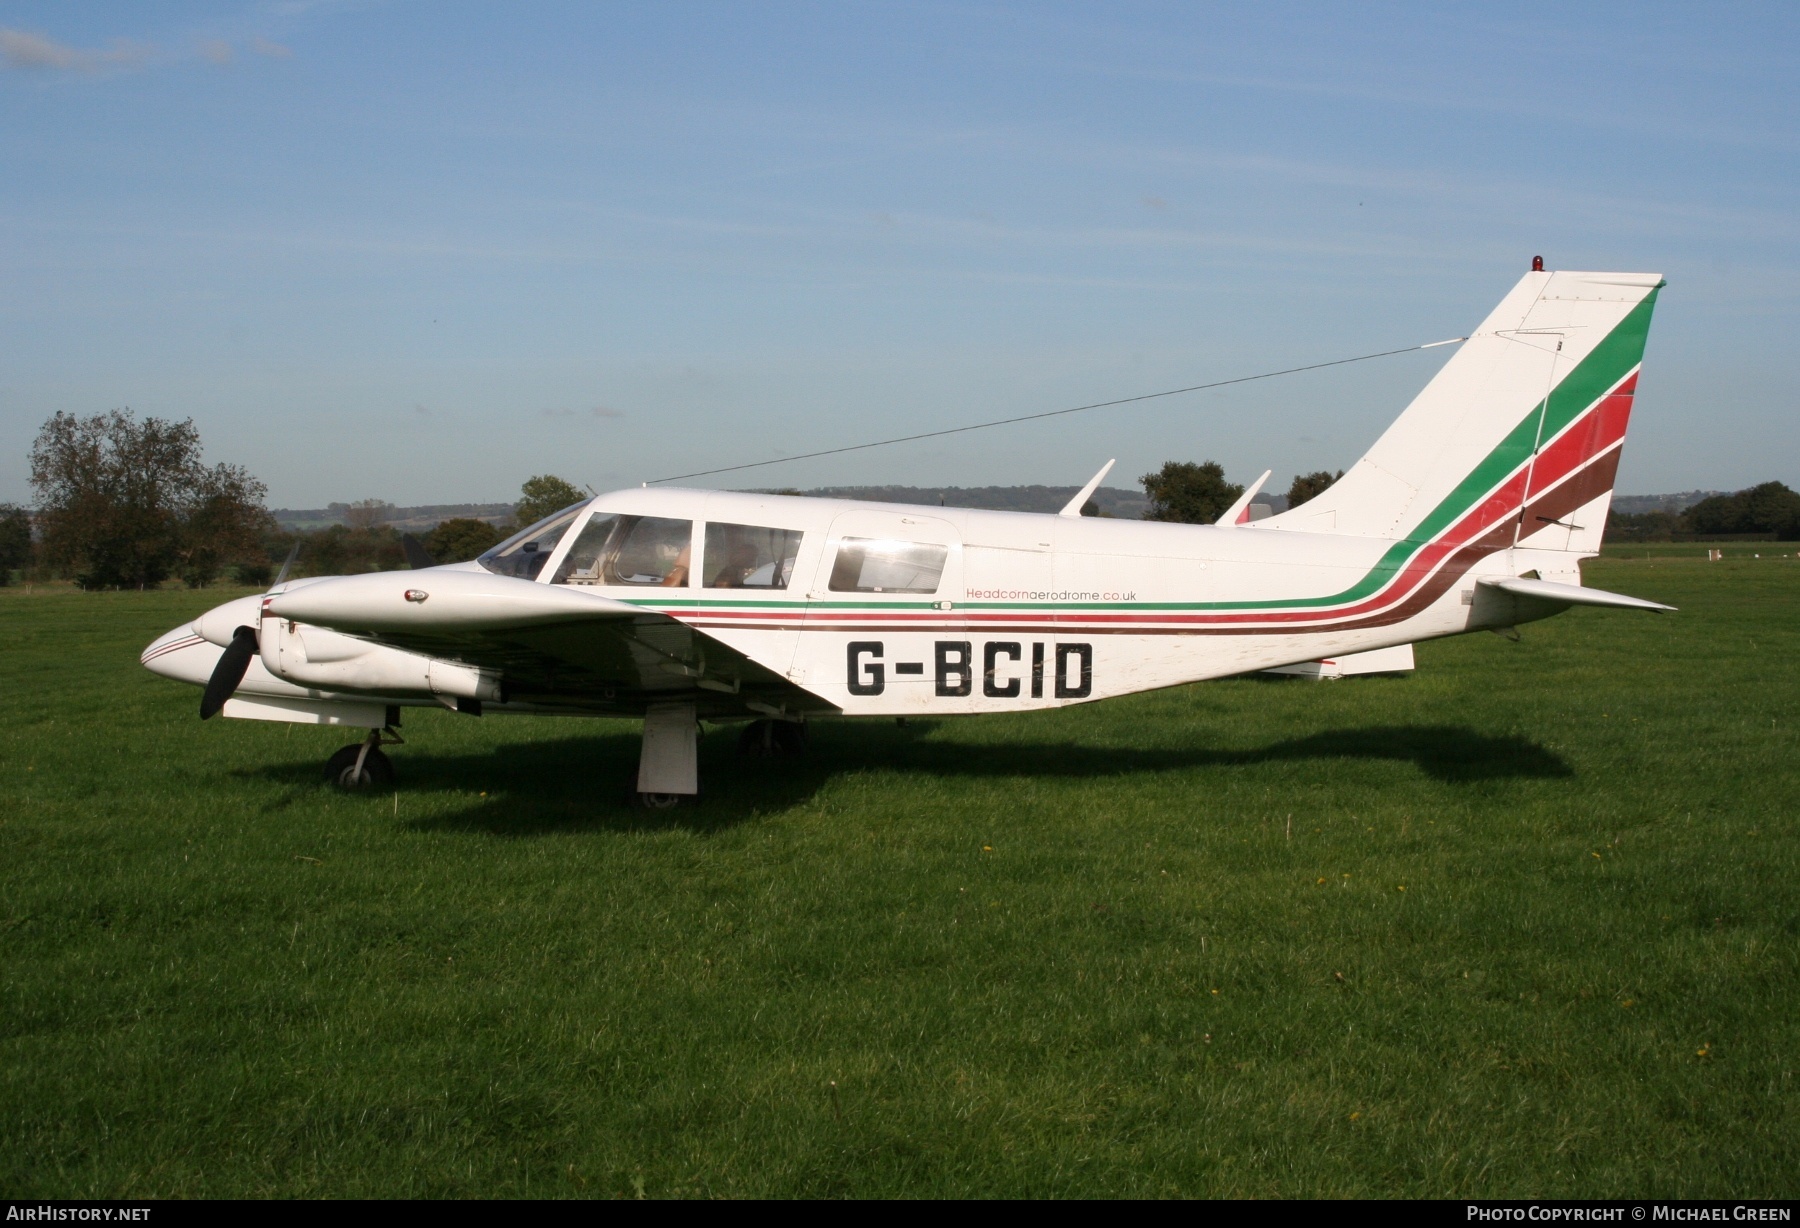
<point>361,765</point>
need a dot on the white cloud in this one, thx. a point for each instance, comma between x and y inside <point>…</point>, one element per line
<point>29,51</point>
<point>21,49</point>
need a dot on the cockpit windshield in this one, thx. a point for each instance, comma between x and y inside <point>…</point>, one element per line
<point>525,553</point>
<point>616,549</point>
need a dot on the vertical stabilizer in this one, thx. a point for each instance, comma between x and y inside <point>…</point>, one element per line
<point>1524,423</point>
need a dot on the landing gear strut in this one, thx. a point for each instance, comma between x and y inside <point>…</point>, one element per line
<point>361,765</point>
<point>669,765</point>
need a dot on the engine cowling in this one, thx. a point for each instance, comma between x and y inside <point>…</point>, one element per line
<point>314,657</point>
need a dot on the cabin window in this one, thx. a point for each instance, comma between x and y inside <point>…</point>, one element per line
<point>750,556</point>
<point>524,553</point>
<point>581,565</point>
<point>872,565</point>
<point>640,550</point>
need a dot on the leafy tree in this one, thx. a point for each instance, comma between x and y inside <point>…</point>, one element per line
<point>1310,486</point>
<point>1652,526</point>
<point>223,520</point>
<point>15,541</point>
<point>123,503</point>
<point>339,550</point>
<point>462,538</point>
<point>545,495</point>
<point>255,573</point>
<point>367,513</point>
<point>1188,493</point>
<point>1767,508</point>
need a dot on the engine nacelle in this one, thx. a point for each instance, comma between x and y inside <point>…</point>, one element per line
<point>314,657</point>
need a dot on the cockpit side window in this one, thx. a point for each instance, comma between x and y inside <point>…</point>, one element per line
<point>524,553</point>
<point>749,556</point>
<point>581,565</point>
<point>634,550</point>
<point>871,565</point>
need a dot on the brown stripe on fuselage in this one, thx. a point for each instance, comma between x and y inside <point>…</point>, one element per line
<point>1584,487</point>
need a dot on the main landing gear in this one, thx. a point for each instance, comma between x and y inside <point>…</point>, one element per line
<point>772,740</point>
<point>669,764</point>
<point>361,765</point>
<point>668,767</point>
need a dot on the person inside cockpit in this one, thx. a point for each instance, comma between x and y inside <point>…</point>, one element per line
<point>739,563</point>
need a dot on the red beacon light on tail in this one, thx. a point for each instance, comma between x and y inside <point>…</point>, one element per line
<point>1537,264</point>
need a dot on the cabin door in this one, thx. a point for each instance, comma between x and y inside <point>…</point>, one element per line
<point>884,619</point>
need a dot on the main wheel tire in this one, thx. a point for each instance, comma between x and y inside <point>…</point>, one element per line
<point>377,769</point>
<point>659,801</point>
<point>772,740</point>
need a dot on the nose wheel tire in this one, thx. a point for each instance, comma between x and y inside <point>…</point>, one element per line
<point>359,767</point>
<point>658,801</point>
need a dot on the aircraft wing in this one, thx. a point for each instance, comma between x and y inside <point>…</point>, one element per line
<point>554,646</point>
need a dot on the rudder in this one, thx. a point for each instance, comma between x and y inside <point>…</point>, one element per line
<point>1525,422</point>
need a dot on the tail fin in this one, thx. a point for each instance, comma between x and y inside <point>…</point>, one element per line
<point>1524,424</point>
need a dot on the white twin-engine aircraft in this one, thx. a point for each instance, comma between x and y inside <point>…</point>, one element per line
<point>1473,511</point>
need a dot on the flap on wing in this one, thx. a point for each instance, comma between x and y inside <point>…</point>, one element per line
<point>1571,594</point>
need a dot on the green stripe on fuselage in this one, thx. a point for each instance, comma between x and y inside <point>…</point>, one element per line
<point>1611,360</point>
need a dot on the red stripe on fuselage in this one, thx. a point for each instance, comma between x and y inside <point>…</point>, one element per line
<point>1588,436</point>
<point>1598,429</point>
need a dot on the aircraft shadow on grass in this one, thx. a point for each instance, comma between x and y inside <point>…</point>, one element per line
<point>570,784</point>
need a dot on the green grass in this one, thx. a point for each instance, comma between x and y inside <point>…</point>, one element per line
<point>1523,924</point>
<point>1734,551</point>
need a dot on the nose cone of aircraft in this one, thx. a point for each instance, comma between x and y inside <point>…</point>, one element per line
<point>183,654</point>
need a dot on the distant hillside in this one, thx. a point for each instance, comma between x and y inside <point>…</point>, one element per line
<point>1113,501</point>
<point>406,519</point>
<point>1123,504</point>
<point>1637,505</point>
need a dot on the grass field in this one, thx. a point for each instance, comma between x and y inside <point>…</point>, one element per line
<point>1732,551</point>
<point>1523,924</point>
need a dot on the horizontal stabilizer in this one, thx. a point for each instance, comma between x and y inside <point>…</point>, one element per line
<point>1572,594</point>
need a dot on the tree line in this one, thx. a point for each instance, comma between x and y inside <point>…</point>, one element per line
<point>1187,492</point>
<point>1767,509</point>
<point>123,502</point>
<point>129,503</point>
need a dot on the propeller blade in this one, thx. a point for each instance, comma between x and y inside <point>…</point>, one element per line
<point>234,662</point>
<point>417,557</point>
<point>282,575</point>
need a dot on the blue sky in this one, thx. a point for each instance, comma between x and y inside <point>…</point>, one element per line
<point>422,251</point>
